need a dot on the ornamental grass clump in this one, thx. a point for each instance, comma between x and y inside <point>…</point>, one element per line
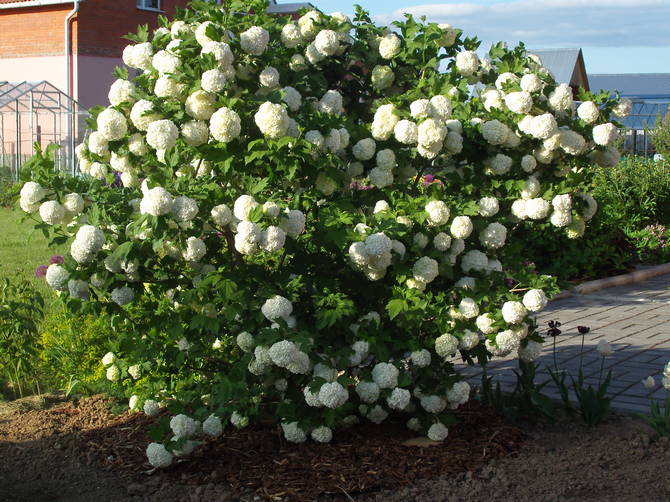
<point>316,216</point>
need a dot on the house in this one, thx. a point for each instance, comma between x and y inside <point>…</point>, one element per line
<point>567,66</point>
<point>75,44</point>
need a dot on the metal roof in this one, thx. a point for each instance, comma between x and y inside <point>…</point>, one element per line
<point>287,8</point>
<point>649,86</point>
<point>565,64</point>
<point>25,96</point>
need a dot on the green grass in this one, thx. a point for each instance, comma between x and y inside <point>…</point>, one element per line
<point>22,249</point>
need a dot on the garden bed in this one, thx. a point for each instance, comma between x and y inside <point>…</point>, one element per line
<point>84,452</point>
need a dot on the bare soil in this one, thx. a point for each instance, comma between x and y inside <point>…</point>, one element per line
<point>55,450</point>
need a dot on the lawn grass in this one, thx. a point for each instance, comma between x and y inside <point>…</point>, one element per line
<point>23,249</point>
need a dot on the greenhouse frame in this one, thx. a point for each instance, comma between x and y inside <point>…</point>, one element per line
<point>38,113</point>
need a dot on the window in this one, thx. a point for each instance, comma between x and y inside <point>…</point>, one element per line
<point>149,4</point>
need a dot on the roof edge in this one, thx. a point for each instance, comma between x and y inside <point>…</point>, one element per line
<point>18,4</point>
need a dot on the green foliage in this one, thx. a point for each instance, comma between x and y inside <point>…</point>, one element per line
<point>71,348</point>
<point>21,309</point>
<point>652,243</point>
<point>594,404</point>
<point>9,193</point>
<point>659,420</point>
<point>661,135</point>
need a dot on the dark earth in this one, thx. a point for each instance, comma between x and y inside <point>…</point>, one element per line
<point>57,450</point>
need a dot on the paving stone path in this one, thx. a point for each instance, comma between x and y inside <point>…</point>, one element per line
<point>634,319</point>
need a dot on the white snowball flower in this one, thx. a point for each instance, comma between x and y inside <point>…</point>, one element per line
<point>433,404</point>
<point>495,132</point>
<point>493,236</point>
<point>200,105</point>
<point>52,213</point>
<point>543,126</point>
<point>591,208</point>
<point>468,308</point>
<point>406,132</point>
<point>380,177</point>
<point>382,77</point>
<point>113,373</point>
<point>151,408</point>
<point>385,375</point>
<point>243,206</point>
<point>438,432</point>
<point>123,295</point>
<point>269,77</point>
<point>112,124</point>
<point>137,145</point>
<point>327,42</point>
<point>528,163</point>
<point>571,142</point>
<point>221,52</point>
<point>322,434</point>
<point>530,82</point>
<point>57,277</point>
<point>438,212</point>
<point>333,395</point>
<point>291,97</point>
<point>560,98</point>
<point>165,62</point>
<point>212,426</point>
<point>461,227</point>
<point>446,345</point>
<point>467,62</point>
<point>488,206</point>
<point>184,209</point>
<point>469,340</point>
<point>425,269</point>
<point>560,218</point>
<point>442,241</point>
<point>158,455</point>
<point>377,244</point>
<point>399,399</point>
<point>605,134</point>
<point>156,201</point>
<point>588,111</point>
<point>500,164</point>
<point>293,433</point>
<point>78,289</point>
<point>277,307</point>
<point>142,114</point>
<point>272,120</point>
<point>291,36</point>
<point>293,223</point>
<point>330,102</point>
<point>485,324</point>
<point>562,202</point>
<point>536,209</point>
<point>183,426</point>
<point>384,122</point>
<point>368,392</point>
<point>121,91</point>
<point>519,102</point>
<point>162,134</point>
<point>474,260</point>
<point>458,394</point>
<point>307,24</point>
<point>535,300</point>
<point>506,342</point>
<point>514,312</point>
<point>254,41</point>
<point>389,46</point>
<point>213,81</point>
<point>420,358</point>
<point>225,125</point>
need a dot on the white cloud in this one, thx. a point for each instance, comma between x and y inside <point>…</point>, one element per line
<point>555,23</point>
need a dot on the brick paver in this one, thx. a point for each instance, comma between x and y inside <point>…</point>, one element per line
<point>634,319</point>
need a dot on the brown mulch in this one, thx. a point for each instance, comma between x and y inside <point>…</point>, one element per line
<point>363,459</point>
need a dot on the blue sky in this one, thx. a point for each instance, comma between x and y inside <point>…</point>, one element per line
<point>617,36</point>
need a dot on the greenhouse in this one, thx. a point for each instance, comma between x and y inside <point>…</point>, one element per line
<point>37,113</point>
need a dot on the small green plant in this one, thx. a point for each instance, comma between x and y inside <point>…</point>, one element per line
<point>652,243</point>
<point>661,135</point>
<point>21,309</point>
<point>659,420</point>
<point>594,403</point>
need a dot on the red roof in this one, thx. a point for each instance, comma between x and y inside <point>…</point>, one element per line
<point>23,1</point>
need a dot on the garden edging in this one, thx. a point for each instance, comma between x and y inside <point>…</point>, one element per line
<point>617,280</point>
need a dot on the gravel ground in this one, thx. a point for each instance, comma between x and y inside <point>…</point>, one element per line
<point>621,460</point>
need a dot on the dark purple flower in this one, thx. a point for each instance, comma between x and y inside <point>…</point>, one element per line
<point>553,330</point>
<point>41,271</point>
<point>56,259</point>
<point>583,329</point>
<point>510,283</point>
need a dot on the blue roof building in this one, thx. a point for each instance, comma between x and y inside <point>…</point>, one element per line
<point>649,92</point>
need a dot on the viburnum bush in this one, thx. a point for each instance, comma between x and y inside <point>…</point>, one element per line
<point>309,220</point>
